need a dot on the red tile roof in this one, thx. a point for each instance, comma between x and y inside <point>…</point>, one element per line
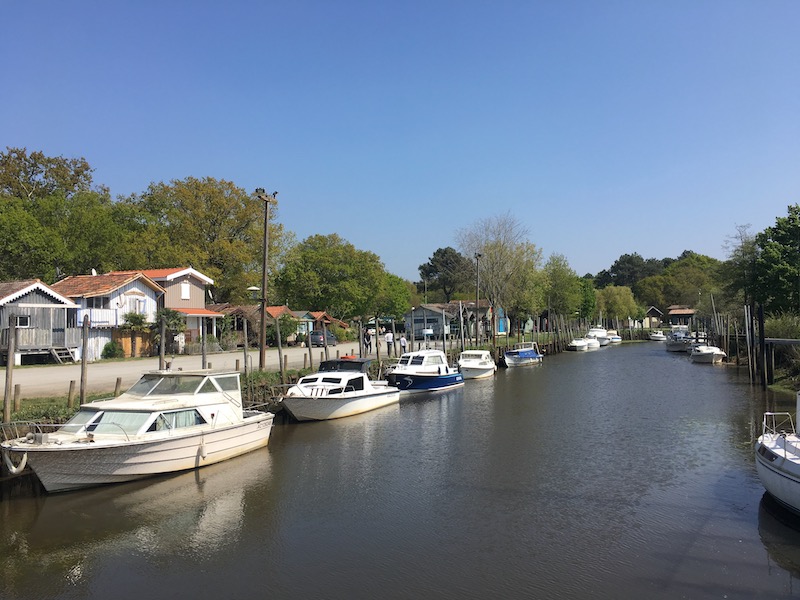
<point>87,286</point>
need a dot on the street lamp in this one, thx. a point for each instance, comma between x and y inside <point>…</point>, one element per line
<point>477,287</point>
<point>267,199</point>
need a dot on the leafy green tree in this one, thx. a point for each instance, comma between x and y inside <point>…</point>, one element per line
<point>392,298</point>
<point>777,277</point>
<point>738,272</point>
<point>325,272</point>
<point>448,271</point>
<point>210,224</point>
<point>564,287</point>
<point>31,176</point>
<point>27,249</point>
<point>588,306</point>
<point>629,269</point>
<point>616,301</point>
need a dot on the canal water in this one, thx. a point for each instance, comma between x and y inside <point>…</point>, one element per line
<point>625,472</point>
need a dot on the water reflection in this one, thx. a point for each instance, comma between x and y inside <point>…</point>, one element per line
<point>64,535</point>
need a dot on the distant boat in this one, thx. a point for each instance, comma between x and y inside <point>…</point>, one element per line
<point>340,388</point>
<point>522,354</point>
<point>658,336</point>
<point>424,371</point>
<point>614,337</point>
<point>600,334</point>
<point>476,364</point>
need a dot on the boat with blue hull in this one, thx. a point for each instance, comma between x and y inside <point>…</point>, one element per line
<point>522,354</point>
<point>424,371</point>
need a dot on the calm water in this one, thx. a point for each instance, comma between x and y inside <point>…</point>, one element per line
<point>620,473</point>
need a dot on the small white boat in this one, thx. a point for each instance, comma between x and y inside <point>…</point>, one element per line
<point>658,336</point>
<point>168,421</point>
<point>707,354</point>
<point>600,334</point>
<point>340,388</point>
<point>614,337</point>
<point>578,345</point>
<point>424,371</point>
<point>678,341</point>
<point>592,343</point>
<point>522,354</point>
<point>777,453</point>
<point>476,364</point>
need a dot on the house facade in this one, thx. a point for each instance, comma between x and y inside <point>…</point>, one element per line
<point>44,322</point>
<point>185,291</point>
<point>106,299</point>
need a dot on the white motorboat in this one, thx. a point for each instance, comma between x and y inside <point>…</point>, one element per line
<point>592,343</point>
<point>777,453</point>
<point>707,354</point>
<point>340,388</point>
<point>600,334</point>
<point>168,421</point>
<point>476,364</point>
<point>522,354</point>
<point>614,337</point>
<point>658,336</point>
<point>678,341</point>
<point>424,371</point>
<point>578,345</point>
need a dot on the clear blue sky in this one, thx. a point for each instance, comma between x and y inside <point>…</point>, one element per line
<point>605,128</point>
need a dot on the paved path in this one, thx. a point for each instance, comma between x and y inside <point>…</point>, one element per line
<point>53,380</point>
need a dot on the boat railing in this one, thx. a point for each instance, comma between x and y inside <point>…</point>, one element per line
<point>777,424</point>
<point>21,429</point>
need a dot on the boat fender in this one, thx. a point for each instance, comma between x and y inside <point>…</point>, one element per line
<point>10,465</point>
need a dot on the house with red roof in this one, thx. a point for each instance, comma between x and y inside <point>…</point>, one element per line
<point>185,291</point>
<point>106,299</point>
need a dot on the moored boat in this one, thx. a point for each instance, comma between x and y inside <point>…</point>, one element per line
<point>424,371</point>
<point>578,345</point>
<point>476,364</point>
<point>168,421</point>
<point>600,334</point>
<point>658,336</point>
<point>707,354</point>
<point>340,388</point>
<point>777,454</point>
<point>522,354</point>
<point>614,337</point>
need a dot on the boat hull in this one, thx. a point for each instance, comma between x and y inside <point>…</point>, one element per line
<point>478,372</point>
<point>416,382</point>
<point>305,408</point>
<point>70,467</point>
<point>710,356</point>
<point>521,360</point>
<point>779,473</point>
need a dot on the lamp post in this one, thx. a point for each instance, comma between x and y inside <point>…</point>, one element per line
<point>477,287</point>
<point>267,199</point>
<point>412,328</point>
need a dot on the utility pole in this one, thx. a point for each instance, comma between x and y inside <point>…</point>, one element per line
<point>267,199</point>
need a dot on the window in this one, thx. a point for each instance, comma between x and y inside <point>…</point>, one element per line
<point>186,290</point>
<point>98,302</point>
<point>23,321</point>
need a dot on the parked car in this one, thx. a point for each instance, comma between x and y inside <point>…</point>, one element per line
<point>316,338</point>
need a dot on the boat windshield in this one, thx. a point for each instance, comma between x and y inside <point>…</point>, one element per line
<point>78,421</point>
<point>119,422</point>
<point>157,383</point>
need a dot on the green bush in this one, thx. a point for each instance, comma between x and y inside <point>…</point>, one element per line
<point>113,350</point>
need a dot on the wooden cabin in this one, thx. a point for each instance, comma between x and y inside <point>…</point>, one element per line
<point>45,323</point>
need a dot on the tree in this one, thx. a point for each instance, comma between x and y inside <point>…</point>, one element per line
<point>563,286</point>
<point>588,307</point>
<point>505,255</point>
<point>27,249</point>
<point>616,301</point>
<point>210,224</point>
<point>448,271</point>
<point>629,269</point>
<point>739,272</point>
<point>777,276</point>
<point>325,272</point>
<point>34,176</point>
